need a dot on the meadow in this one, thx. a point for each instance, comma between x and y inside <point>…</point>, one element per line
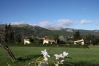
<point>78,56</point>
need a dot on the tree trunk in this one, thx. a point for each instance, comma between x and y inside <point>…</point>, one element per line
<point>9,52</point>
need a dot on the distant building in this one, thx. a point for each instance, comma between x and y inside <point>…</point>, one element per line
<point>47,40</point>
<point>81,41</point>
<point>26,41</point>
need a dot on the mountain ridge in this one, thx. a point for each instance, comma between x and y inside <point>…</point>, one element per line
<point>40,31</point>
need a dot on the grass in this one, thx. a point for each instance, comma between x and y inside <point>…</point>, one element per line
<point>79,56</point>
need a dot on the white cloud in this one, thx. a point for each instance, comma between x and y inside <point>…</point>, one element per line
<point>97,21</point>
<point>58,24</point>
<point>89,21</point>
<point>64,22</point>
<point>18,22</point>
<point>43,23</point>
<point>85,21</point>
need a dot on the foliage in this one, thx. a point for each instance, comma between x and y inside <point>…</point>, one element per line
<point>77,35</point>
<point>9,34</point>
<point>91,39</point>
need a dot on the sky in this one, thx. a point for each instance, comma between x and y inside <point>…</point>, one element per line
<point>78,14</point>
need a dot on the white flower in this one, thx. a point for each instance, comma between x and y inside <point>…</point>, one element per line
<point>61,62</point>
<point>57,56</point>
<point>65,54</point>
<point>60,57</point>
<point>45,55</point>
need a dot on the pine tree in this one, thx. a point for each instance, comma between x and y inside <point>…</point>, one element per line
<point>9,34</point>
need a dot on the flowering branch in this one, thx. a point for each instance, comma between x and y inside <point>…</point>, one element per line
<point>60,57</point>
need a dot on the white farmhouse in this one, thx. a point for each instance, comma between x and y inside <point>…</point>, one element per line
<point>26,41</point>
<point>46,40</point>
<point>79,41</point>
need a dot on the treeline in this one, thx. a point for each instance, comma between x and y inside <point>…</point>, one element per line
<point>8,35</point>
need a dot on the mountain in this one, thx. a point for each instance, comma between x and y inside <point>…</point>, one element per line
<point>30,30</point>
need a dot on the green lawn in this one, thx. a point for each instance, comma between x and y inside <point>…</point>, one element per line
<point>79,56</point>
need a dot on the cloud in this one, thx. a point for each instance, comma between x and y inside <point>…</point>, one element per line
<point>64,22</point>
<point>44,23</point>
<point>17,22</point>
<point>85,21</point>
<point>97,21</point>
<point>88,21</point>
<point>20,23</point>
<point>58,24</point>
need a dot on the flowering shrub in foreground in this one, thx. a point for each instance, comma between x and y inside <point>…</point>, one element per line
<point>43,61</point>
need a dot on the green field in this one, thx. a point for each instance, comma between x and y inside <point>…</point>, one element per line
<point>78,56</point>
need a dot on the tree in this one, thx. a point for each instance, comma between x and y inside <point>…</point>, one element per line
<point>91,39</point>
<point>19,38</point>
<point>95,40</point>
<point>88,38</point>
<point>9,34</point>
<point>77,35</point>
<point>9,52</point>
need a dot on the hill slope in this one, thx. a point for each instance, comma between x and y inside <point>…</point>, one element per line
<point>29,30</point>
